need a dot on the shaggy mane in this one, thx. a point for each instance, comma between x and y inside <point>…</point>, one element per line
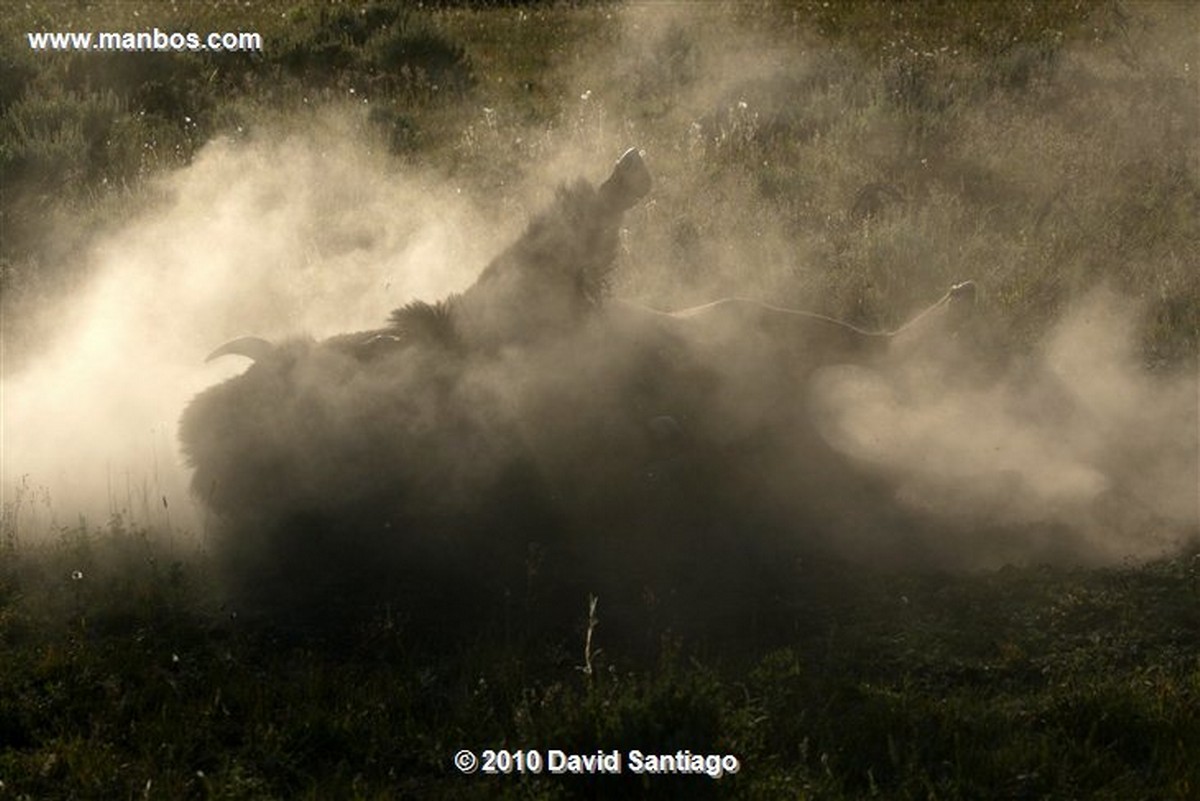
<point>426,322</point>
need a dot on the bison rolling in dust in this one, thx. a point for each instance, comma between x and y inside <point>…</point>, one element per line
<point>530,441</point>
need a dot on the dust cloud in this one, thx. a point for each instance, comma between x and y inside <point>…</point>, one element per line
<point>282,235</point>
<point>1075,453</point>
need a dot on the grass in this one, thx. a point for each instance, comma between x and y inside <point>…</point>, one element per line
<point>123,677</point>
<point>864,158</point>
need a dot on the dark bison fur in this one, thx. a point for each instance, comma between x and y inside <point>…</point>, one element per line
<point>494,458</point>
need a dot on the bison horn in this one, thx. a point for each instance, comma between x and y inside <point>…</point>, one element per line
<point>254,348</point>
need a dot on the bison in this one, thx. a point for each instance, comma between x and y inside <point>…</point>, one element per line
<point>527,440</point>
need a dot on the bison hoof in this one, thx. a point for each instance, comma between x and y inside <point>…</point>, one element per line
<point>966,290</point>
<point>630,180</point>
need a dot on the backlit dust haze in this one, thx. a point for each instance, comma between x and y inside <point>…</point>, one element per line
<point>1073,452</point>
<point>306,236</point>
